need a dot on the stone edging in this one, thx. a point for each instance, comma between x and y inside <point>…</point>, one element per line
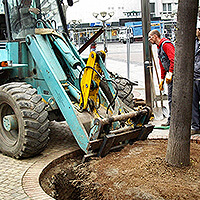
<point>31,178</point>
<point>194,138</point>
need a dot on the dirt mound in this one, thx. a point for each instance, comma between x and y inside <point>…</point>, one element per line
<point>137,172</point>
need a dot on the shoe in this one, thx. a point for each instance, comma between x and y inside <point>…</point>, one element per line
<point>194,131</point>
<point>166,124</point>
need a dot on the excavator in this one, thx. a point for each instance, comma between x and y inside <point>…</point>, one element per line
<point>44,78</point>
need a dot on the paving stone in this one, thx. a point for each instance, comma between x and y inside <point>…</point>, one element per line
<point>12,170</point>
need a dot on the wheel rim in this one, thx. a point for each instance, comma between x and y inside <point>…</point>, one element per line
<point>9,124</point>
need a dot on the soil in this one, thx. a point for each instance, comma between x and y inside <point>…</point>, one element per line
<point>138,171</point>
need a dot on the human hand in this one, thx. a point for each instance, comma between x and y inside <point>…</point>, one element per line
<point>168,77</point>
<point>161,88</point>
<point>34,10</point>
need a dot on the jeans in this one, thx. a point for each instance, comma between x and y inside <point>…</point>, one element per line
<point>170,87</point>
<point>195,105</point>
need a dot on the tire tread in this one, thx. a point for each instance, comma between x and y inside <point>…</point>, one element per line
<point>35,118</point>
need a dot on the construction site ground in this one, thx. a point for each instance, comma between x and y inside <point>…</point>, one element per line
<point>138,171</point>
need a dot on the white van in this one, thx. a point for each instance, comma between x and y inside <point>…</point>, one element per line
<point>124,33</point>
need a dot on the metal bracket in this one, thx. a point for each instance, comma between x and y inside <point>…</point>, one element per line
<point>107,144</point>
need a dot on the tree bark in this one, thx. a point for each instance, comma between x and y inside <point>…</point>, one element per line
<point>178,149</point>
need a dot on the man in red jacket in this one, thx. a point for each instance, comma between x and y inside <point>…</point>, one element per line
<point>166,53</point>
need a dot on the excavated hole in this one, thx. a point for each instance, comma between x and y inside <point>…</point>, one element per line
<point>70,180</point>
<point>137,172</point>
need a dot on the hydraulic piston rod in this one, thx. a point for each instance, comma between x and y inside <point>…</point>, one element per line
<point>120,117</point>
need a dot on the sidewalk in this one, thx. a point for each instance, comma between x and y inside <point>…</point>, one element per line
<point>159,133</point>
<point>14,184</point>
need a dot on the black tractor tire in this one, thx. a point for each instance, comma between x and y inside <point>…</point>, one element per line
<point>105,88</point>
<point>31,135</point>
<point>125,88</point>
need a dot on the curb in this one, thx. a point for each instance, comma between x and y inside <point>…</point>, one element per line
<point>31,178</point>
<point>193,139</point>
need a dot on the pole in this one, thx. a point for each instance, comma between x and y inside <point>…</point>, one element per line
<point>5,2</point>
<point>105,39</point>
<point>92,39</point>
<point>62,17</point>
<point>128,51</point>
<point>146,49</point>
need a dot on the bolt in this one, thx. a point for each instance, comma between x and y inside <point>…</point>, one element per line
<point>28,41</point>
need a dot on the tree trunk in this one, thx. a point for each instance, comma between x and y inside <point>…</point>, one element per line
<point>178,149</point>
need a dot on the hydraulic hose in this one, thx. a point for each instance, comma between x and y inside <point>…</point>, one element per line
<point>116,88</point>
<point>113,100</point>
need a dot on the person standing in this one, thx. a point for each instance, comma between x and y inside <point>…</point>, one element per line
<point>195,129</point>
<point>166,53</point>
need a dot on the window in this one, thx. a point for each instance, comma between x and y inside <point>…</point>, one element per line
<point>152,9</point>
<point>167,8</point>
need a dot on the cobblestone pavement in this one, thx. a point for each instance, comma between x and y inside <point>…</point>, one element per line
<point>12,170</point>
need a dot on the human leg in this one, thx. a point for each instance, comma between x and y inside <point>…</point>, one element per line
<point>170,87</point>
<point>195,105</point>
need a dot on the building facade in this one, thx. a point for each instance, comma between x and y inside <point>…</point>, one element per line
<point>166,9</point>
<point>82,13</point>
<point>83,9</point>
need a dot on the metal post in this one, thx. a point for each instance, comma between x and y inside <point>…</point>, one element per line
<point>92,39</point>
<point>128,51</point>
<point>62,15</point>
<point>104,35</point>
<point>146,27</point>
<point>79,43</point>
<point>7,20</point>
